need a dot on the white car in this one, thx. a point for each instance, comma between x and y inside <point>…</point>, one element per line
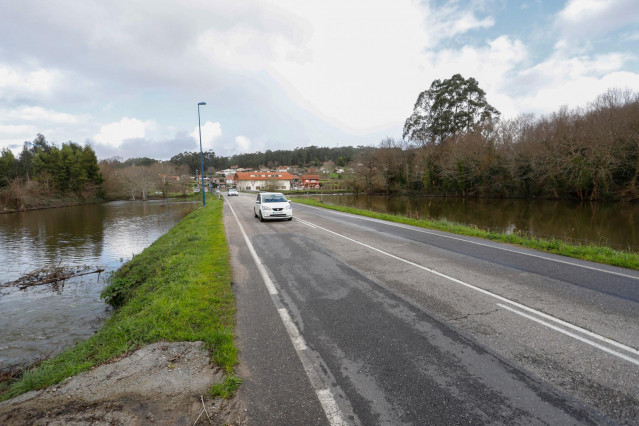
<point>272,205</point>
<point>232,192</point>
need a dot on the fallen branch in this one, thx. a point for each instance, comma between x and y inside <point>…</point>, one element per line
<point>52,275</point>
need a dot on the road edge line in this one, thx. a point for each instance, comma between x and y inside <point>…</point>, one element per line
<point>325,396</point>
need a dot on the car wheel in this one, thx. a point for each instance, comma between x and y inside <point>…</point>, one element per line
<point>261,218</point>
<point>254,213</point>
<point>290,218</point>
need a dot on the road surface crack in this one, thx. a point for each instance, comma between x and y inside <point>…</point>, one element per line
<point>474,315</point>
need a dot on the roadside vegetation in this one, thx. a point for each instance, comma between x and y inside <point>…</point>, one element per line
<point>178,289</point>
<point>591,252</point>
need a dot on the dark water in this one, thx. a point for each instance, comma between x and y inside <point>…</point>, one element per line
<point>612,224</point>
<point>40,321</point>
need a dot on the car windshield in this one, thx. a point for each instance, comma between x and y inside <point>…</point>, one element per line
<point>274,199</point>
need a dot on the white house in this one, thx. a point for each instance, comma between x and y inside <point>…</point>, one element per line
<point>256,181</point>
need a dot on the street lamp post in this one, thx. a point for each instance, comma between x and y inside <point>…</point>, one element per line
<point>201,156</point>
<point>210,175</point>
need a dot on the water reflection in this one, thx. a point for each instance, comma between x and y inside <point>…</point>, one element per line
<point>611,224</point>
<point>38,322</point>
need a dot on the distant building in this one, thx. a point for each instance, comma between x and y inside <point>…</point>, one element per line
<point>296,181</point>
<point>263,181</point>
<point>310,181</point>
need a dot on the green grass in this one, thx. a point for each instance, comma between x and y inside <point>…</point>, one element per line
<point>227,388</point>
<point>178,289</point>
<point>595,253</point>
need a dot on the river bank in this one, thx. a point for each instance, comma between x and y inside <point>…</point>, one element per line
<point>52,201</point>
<point>177,290</point>
<point>591,252</point>
<point>48,202</point>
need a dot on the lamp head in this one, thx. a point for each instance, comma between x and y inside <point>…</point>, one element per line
<point>202,103</point>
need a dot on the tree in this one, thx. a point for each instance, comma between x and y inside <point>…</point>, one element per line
<point>446,109</point>
<point>8,167</point>
<point>139,180</point>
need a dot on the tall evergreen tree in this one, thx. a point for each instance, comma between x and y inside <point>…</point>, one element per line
<point>446,109</point>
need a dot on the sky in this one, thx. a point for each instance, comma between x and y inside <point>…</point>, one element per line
<point>125,76</point>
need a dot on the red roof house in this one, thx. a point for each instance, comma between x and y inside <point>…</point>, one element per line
<point>256,181</point>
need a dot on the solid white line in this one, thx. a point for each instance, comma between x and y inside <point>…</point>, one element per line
<point>258,262</point>
<point>486,292</point>
<point>574,336</point>
<point>324,395</point>
<point>413,228</point>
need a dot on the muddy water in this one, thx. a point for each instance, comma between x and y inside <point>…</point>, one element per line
<point>41,321</point>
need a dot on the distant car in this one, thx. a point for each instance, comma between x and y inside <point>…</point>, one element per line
<point>272,205</point>
<point>232,191</point>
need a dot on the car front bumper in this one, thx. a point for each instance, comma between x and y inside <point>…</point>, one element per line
<point>284,214</point>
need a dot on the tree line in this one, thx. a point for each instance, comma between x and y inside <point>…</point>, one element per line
<point>141,177</point>
<point>588,153</point>
<point>42,171</point>
<point>310,156</point>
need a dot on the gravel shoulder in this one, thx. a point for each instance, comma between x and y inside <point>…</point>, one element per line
<point>163,383</point>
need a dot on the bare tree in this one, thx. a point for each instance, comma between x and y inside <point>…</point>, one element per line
<point>139,181</point>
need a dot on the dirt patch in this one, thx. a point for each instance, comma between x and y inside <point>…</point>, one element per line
<point>163,383</point>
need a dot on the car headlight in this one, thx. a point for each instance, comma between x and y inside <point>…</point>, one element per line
<point>287,207</point>
<point>266,208</point>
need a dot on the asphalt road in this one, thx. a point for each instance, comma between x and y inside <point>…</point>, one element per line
<point>348,320</point>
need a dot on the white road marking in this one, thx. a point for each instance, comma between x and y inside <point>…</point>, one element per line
<point>324,395</point>
<point>308,224</point>
<point>293,332</point>
<point>574,336</point>
<point>423,231</point>
<point>493,295</point>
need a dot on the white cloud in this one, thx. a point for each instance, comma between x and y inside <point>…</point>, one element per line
<point>114,134</point>
<point>243,47</point>
<point>573,82</point>
<point>360,63</point>
<point>13,136</point>
<point>577,10</point>
<point>243,144</point>
<point>15,130</point>
<point>40,115</point>
<point>15,82</point>
<point>210,132</point>
<point>452,20</point>
<point>581,20</point>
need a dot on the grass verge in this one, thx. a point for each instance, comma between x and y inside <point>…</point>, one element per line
<point>595,253</point>
<point>178,289</point>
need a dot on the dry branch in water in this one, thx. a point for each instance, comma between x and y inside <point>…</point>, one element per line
<point>52,275</point>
